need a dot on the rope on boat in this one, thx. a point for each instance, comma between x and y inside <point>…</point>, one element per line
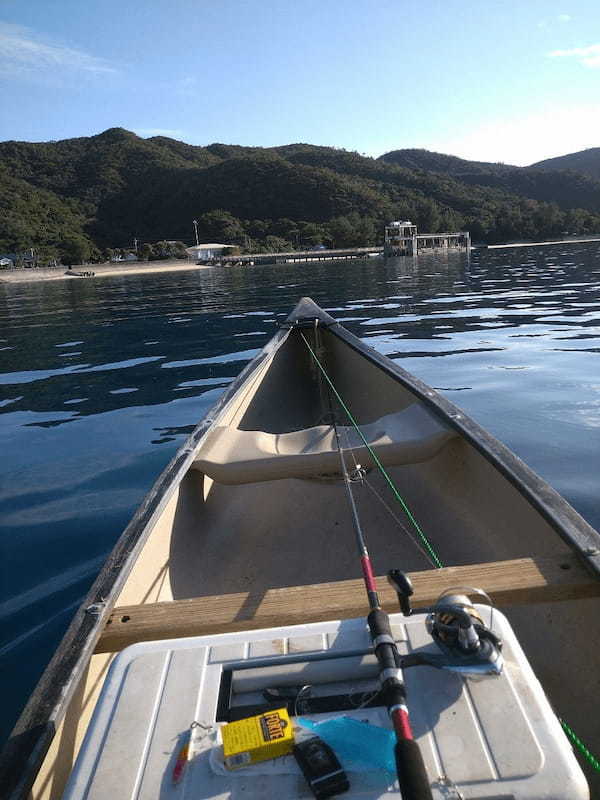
<point>591,759</point>
<point>436,560</point>
<point>432,555</point>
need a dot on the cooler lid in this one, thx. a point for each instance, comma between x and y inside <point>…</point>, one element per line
<point>492,737</point>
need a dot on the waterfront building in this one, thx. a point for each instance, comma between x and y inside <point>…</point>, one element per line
<point>200,253</point>
<point>402,239</point>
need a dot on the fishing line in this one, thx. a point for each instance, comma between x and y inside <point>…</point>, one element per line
<point>360,539</point>
<point>411,538</point>
<point>361,472</point>
<point>380,466</point>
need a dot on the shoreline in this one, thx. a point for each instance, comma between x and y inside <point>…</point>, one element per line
<point>541,244</point>
<point>100,270</point>
<point>16,276</point>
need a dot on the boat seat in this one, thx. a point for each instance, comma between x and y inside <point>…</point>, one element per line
<point>234,456</point>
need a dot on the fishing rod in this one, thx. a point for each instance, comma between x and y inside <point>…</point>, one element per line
<point>412,775</point>
<point>468,645</point>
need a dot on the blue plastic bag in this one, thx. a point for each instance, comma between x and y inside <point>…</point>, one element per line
<point>356,743</point>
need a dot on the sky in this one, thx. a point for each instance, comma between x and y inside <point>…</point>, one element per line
<point>515,81</point>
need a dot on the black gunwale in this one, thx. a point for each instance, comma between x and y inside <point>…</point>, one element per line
<point>23,754</point>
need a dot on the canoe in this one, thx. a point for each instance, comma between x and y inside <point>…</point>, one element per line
<point>249,527</point>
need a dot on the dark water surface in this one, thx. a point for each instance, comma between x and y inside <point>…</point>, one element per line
<point>101,380</point>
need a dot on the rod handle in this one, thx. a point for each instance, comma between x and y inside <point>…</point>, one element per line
<point>412,775</point>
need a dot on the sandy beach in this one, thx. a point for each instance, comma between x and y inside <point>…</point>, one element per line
<point>99,270</point>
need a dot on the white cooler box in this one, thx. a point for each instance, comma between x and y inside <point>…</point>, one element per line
<point>490,738</point>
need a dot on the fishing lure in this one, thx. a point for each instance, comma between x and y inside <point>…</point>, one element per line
<point>184,752</point>
<point>182,759</point>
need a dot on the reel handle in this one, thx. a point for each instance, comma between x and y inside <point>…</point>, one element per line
<point>400,581</point>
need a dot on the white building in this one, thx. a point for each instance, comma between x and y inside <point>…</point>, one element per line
<point>402,239</point>
<point>400,229</point>
<point>206,252</point>
<point>126,257</point>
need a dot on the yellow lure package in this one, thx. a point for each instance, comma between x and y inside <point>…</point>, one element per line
<point>259,738</point>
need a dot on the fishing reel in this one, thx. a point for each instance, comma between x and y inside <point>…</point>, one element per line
<point>468,646</point>
<point>459,631</point>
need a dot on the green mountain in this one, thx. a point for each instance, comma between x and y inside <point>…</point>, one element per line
<point>550,184</point>
<point>413,158</point>
<point>586,161</point>
<point>76,198</point>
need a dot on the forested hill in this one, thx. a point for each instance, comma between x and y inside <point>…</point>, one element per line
<point>82,196</point>
<point>567,189</point>
<point>413,158</point>
<point>586,161</point>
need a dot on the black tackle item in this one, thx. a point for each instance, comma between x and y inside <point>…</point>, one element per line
<point>320,767</point>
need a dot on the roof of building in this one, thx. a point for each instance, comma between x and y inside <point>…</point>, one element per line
<point>209,246</point>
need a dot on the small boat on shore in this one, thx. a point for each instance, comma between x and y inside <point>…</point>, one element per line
<point>244,549</point>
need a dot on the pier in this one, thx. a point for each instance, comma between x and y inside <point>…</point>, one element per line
<point>401,239</point>
<point>300,255</point>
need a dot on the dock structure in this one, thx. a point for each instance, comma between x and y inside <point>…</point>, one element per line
<point>300,255</point>
<point>402,239</point>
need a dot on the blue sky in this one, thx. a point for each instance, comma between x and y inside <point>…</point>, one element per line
<point>500,81</point>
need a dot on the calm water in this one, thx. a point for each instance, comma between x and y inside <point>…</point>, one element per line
<point>100,381</point>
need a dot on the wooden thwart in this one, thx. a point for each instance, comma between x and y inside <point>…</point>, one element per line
<point>523,580</point>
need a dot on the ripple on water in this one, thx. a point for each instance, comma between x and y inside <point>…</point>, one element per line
<point>242,355</point>
<point>10,400</point>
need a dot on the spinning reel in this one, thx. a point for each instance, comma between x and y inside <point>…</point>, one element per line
<point>468,646</point>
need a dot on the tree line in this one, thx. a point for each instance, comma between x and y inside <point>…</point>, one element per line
<point>83,199</point>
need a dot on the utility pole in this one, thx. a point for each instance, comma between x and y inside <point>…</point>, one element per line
<point>135,244</point>
<point>195,221</point>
